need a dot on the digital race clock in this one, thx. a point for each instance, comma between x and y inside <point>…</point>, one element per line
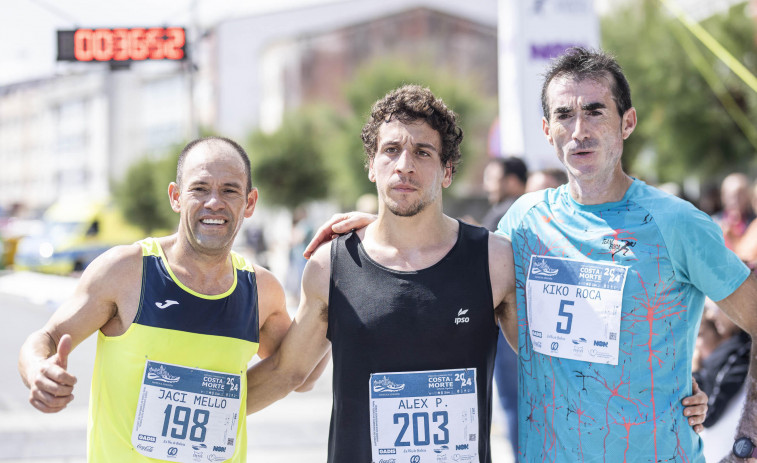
<point>122,44</point>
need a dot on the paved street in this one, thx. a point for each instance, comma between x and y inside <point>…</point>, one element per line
<point>292,430</point>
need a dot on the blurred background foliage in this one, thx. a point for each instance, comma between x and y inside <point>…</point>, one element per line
<point>142,195</point>
<point>684,130</point>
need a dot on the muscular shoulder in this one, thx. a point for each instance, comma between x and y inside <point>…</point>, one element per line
<point>501,267</point>
<point>271,295</point>
<point>115,268</point>
<point>317,274</point>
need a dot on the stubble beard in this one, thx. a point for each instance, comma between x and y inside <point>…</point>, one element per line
<point>408,211</point>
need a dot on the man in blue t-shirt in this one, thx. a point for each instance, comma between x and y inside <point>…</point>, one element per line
<point>612,276</point>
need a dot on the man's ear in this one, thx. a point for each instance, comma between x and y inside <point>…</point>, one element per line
<point>545,129</point>
<point>173,196</point>
<point>447,181</point>
<point>629,122</point>
<point>252,199</point>
<point>371,173</point>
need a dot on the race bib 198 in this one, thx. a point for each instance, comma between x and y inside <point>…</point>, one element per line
<point>424,416</point>
<point>574,308</point>
<point>186,414</point>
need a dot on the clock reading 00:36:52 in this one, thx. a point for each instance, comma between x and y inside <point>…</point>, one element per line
<point>122,44</point>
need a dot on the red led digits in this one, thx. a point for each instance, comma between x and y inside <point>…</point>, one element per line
<point>154,40</point>
<point>83,45</point>
<point>122,44</point>
<point>102,39</point>
<point>138,46</point>
<point>174,46</point>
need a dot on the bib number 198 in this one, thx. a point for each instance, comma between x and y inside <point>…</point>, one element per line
<point>181,419</point>
<point>421,428</point>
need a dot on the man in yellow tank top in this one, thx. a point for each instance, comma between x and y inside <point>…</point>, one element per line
<point>178,319</point>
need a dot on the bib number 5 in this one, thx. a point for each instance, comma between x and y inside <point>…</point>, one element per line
<point>565,329</point>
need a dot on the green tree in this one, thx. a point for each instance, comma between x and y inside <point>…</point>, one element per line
<point>682,120</point>
<point>142,195</point>
<point>288,164</point>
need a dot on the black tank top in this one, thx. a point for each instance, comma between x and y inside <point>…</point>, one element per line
<point>384,320</point>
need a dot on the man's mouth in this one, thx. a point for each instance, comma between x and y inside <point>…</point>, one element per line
<point>213,221</point>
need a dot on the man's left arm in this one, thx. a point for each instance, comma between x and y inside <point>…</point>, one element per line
<point>741,307</point>
<point>274,319</point>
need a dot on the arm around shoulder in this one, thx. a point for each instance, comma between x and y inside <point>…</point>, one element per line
<point>303,349</point>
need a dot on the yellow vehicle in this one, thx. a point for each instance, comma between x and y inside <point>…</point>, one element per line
<point>74,232</point>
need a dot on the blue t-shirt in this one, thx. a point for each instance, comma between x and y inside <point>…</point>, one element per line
<point>673,255</point>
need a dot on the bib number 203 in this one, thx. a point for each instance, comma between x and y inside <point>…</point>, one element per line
<point>421,428</point>
<point>181,423</point>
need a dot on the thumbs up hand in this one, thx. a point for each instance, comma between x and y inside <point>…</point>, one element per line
<point>52,385</point>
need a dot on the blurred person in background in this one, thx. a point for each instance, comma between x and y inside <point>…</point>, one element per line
<point>709,200</point>
<point>367,203</point>
<point>504,181</point>
<point>177,318</point>
<point>737,213</point>
<point>551,177</point>
<point>746,247</point>
<point>721,368</point>
<point>300,234</point>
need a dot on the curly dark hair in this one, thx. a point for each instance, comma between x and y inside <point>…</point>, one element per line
<point>582,63</point>
<point>411,103</point>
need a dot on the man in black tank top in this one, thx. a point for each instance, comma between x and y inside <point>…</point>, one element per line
<point>409,305</point>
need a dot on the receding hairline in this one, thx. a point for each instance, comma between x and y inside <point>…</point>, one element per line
<point>221,144</point>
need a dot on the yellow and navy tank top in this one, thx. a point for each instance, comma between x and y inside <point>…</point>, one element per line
<point>178,326</point>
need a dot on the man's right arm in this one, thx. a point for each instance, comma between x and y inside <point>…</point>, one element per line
<point>42,360</point>
<point>302,353</point>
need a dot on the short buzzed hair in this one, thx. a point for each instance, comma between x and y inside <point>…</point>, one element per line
<point>215,140</point>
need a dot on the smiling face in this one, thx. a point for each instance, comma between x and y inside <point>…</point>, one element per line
<point>407,167</point>
<point>212,199</point>
<point>585,128</point>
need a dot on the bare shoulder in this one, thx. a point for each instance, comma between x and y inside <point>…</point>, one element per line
<point>106,296</point>
<point>317,274</point>
<point>500,250</point>
<point>501,268</point>
<point>115,268</point>
<point>271,295</point>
